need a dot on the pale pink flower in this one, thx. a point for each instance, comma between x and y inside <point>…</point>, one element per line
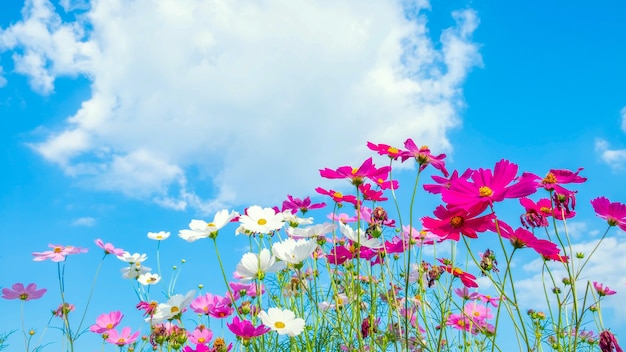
<point>106,322</point>
<point>18,291</point>
<point>58,253</point>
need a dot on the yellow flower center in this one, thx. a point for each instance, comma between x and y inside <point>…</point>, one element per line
<point>201,340</point>
<point>545,210</point>
<point>338,195</point>
<point>23,296</point>
<point>550,178</point>
<point>174,310</point>
<point>210,224</point>
<point>57,249</point>
<point>457,271</point>
<point>392,150</point>
<point>485,191</point>
<point>279,325</point>
<point>456,221</point>
<point>109,326</point>
<point>261,222</point>
<point>354,170</point>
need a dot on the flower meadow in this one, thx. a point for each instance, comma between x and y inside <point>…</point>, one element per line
<point>372,275</point>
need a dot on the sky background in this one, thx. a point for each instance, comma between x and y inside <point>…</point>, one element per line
<point>118,118</point>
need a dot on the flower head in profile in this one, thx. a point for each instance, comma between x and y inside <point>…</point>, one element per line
<point>109,248</point>
<point>337,196</point>
<point>292,251</point>
<point>245,330</point>
<point>614,213</point>
<point>302,205</point>
<point>555,178</point>
<point>602,290</point>
<point>158,236</point>
<point>261,220</point>
<point>608,342</point>
<point>58,253</point>
<point>356,176</point>
<point>255,266</point>
<point>106,322</point>
<point>283,321</point>
<point>122,338</point>
<point>174,306</point>
<point>132,258</point>
<point>63,310</point>
<point>384,149</point>
<point>18,291</point>
<point>148,279</point>
<point>199,229</point>
<point>424,157</point>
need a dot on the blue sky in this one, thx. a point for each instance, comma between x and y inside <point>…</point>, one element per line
<point>121,118</point>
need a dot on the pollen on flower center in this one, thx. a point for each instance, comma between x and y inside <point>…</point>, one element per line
<point>392,150</point>
<point>210,224</point>
<point>545,209</point>
<point>109,326</point>
<point>23,296</point>
<point>57,249</point>
<point>173,309</point>
<point>457,271</point>
<point>338,195</point>
<point>456,221</point>
<point>550,178</point>
<point>485,191</point>
<point>279,325</point>
<point>261,222</point>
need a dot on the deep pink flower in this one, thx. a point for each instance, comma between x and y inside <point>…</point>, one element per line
<point>443,183</point>
<point>123,338</point>
<point>302,205</point>
<point>487,187</point>
<point>613,213</point>
<point>106,322</point>
<point>58,253</point>
<point>608,342</point>
<point>109,248</point>
<point>424,157</point>
<point>199,348</point>
<point>63,310</point>
<point>384,149</point>
<point>555,178</point>
<point>338,197</point>
<point>451,223</point>
<point>371,194</point>
<point>467,279</point>
<point>521,238</point>
<point>245,330</point>
<point>18,291</point>
<point>149,308</point>
<point>537,214</point>
<point>603,290</point>
<point>338,255</point>
<point>356,176</point>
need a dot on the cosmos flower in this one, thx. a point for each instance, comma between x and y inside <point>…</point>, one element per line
<point>106,322</point>
<point>451,223</point>
<point>261,220</point>
<point>109,248</point>
<point>424,157</point>
<point>614,213</point>
<point>245,330</point>
<point>603,290</point>
<point>58,253</point>
<point>123,338</point>
<point>199,229</point>
<point>158,236</point>
<point>302,205</point>
<point>255,266</point>
<point>283,321</point>
<point>292,251</point>
<point>18,291</point>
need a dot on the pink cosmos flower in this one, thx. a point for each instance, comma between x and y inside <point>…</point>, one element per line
<point>494,301</point>
<point>356,176</point>
<point>521,238</point>
<point>201,335</point>
<point>608,342</point>
<point>384,149</point>
<point>339,255</point>
<point>58,253</point>
<point>245,330</point>
<point>109,248</point>
<point>371,194</point>
<point>302,205</point>
<point>342,217</point>
<point>424,157</point>
<point>241,289</point>
<point>467,279</point>
<point>487,187</point>
<point>337,196</point>
<point>555,178</point>
<point>63,310</point>
<point>123,338</point>
<point>18,291</point>
<point>603,290</point>
<point>465,294</point>
<point>443,183</point>
<point>149,308</point>
<point>613,213</point>
<point>106,322</point>
<point>451,223</point>
<point>199,348</point>
<point>477,312</point>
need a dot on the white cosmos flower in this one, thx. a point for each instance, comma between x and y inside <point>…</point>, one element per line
<point>294,220</point>
<point>292,251</point>
<point>359,237</point>
<point>261,220</point>
<point>148,279</point>
<point>312,231</point>
<point>255,266</point>
<point>283,321</point>
<point>158,236</point>
<point>132,258</point>
<point>201,229</point>
<point>173,307</point>
<point>134,270</point>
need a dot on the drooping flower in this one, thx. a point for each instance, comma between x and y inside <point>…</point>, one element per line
<point>371,194</point>
<point>241,289</point>
<point>255,266</point>
<point>261,220</point>
<point>158,236</point>
<point>18,291</point>
<point>199,229</point>
<point>602,290</point>
<point>451,223</point>
<point>283,321</point>
<point>614,213</point>
<point>245,330</point>
<point>487,187</point>
<point>106,322</point>
<point>109,248</point>
<point>608,342</point>
<point>63,310</point>
<point>358,236</point>
<point>58,253</point>
<point>302,205</point>
<point>292,251</point>
<point>521,238</point>
<point>467,279</point>
<point>424,157</point>
<point>123,338</point>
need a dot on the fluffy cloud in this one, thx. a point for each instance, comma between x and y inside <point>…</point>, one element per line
<point>85,221</point>
<point>615,158</point>
<point>250,98</point>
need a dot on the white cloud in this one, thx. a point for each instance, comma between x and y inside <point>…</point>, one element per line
<point>614,158</point>
<point>3,81</point>
<point>253,97</point>
<point>84,221</point>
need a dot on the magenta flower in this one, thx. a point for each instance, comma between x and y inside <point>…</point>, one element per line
<point>303,205</point>
<point>241,289</point>
<point>423,157</point>
<point>338,197</point>
<point>467,279</point>
<point>63,310</point>
<point>371,194</point>
<point>555,178</point>
<point>451,223</point>
<point>58,253</point>
<point>443,183</point>
<point>106,322</point>
<point>521,238</point>
<point>123,338</point>
<point>384,149</point>
<point>613,213</point>
<point>603,290</point>
<point>109,248</point>
<point>245,330</point>
<point>356,176</point>
<point>199,348</point>
<point>18,291</point>
<point>608,342</point>
<point>487,187</point>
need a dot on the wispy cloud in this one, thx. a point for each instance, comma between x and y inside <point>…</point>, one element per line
<point>84,221</point>
<point>249,98</point>
<point>614,158</point>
